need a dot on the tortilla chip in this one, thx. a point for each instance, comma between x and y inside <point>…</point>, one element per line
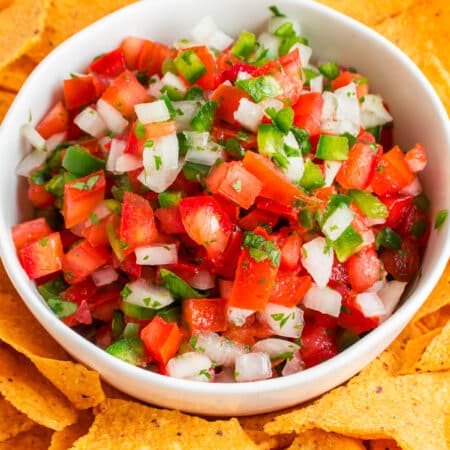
<point>437,319</point>
<point>21,23</point>
<point>66,17</point>
<point>262,439</point>
<point>410,409</point>
<point>135,426</point>
<point>38,438</point>
<point>14,75</point>
<point>6,98</point>
<point>12,421</point>
<point>112,392</point>
<point>27,390</point>
<point>437,354</point>
<point>383,444</point>
<point>321,440</point>
<point>64,439</point>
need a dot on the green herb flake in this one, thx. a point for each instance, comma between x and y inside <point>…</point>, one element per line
<point>441,217</point>
<point>126,291</point>
<point>158,162</point>
<point>94,218</point>
<point>86,185</point>
<point>43,242</point>
<point>139,130</point>
<point>237,185</point>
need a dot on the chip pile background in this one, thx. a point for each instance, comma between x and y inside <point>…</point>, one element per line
<point>47,401</point>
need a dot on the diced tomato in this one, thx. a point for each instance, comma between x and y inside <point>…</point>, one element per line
<point>170,221</point>
<point>275,184</point>
<point>397,206</point>
<point>152,56</point>
<point>339,276</point>
<point>68,238</point>
<point>210,79</point>
<point>290,289</point>
<point>346,77</point>
<point>392,173</point>
<point>111,64</point>
<point>248,333</point>
<point>130,266</point>
<point>55,121</point>
<point>270,205</point>
<point>83,259</point>
<point>39,196</point>
<point>226,61</point>
<point>256,218</point>
<point>137,226</point>
<point>105,311</point>
<point>228,99</point>
<point>228,260</point>
<point>307,111</point>
<point>232,72</point>
<point>206,223</point>
<point>43,257</point>
<point>222,132</point>
<point>364,268</point>
<point>352,318</point>
<point>79,91</point>
<point>104,294</point>
<point>317,345</point>
<point>416,158</point>
<point>132,47</point>
<point>79,292</point>
<point>402,264</point>
<point>291,247</point>
<point>82,316</point>
<point>125,92</point>
<point>96,233</point>
<point>414,223</point>
<point>232,210</point>
<point>80,198</point>
<point>73,131</point>
<point>161,339</point>
<point>201,315</point>
<point>27,232</point>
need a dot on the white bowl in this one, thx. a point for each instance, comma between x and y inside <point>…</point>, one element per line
<point>419,117</point>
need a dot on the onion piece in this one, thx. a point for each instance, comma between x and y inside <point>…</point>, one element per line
<point>90,121</point>
<point>186,111</point>
<point>238,316</point>
<point>207,155</point>
<point>143,293</point>
<point>271,103</point>
<point>117,149</point>
<point>208,33</point>
<point>325,300</point>
<point>32,136</point>
<point>159,181</point>
<point>305,53</point>
<point>162,156</point>
<point>370,304</point>
<point>31,162</point>
<point>249,114</point>
<point>157,254</point>
<point>329,107</point>
<point>127,163</point>
<point>414,188</point>
<point>283,321</point>
<point>156,111</point>
<point>276,22</point>
<point>54,140</point>
<point>170,79</point>
<point>316,84</point>
<point>190,366</point>
<point>155,86</point>
<point>348,104</point>
<point>276,348</point>
<point>390,294</point>
<point>105,275</point>
<point>100,212</point>
<point>271,43</point>
<point>337,222</point>
<point>202,280</point>
<point>112,117</point>
<point>373,112</point>
<point>221,351</point>
<point>293,365</point>
<point>317,259</point>
<point>253,367</point>
<point>331,170</point>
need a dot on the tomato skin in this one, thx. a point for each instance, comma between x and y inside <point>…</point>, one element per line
<point>226,263</point>
<point>412,216</point>
<point>307,111</point>
<point>290,243</point>
<point>27,232</point>
<point>317,345</point>
<point>55,121</point>
<point>290,289</point>
<point>416,158</point>
<point>43,257</point>
<point>402,264</point>
<point>257,217</point>
<point>201,315</point>
<point>96,234</point>
<point>270,205</point>
<point>152,56</point>
<point>137,225</point>
<point>82,316</point>
<point>397,207</point>
<point>79,292</point>
<point>170,221</point>
<point>228,99</point>
<point>363,269</point>
<point>249,333</point>
<point>79,91</point>
<point>39,197</point>
<point>130,266</point>
<point>352,318</point>
<point>132,47</point>
<point>223,132</point>
<point>79,203</point>
<point>111,64</point>
<point>232,72</point>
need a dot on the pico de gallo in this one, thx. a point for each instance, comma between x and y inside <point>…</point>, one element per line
<point>221,209</point>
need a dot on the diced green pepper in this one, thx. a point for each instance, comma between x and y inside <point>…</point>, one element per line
<point>244,46</point>
<point>62,308</point>
<point>131,330</point>
<point>177,286</point>
<point>375,132</point>
<point>79,161</point>
<point>194,93</point>
<point>138,312</point>
<point>114,242</point>
<point>270,140</point>
<point>122,184</point>
<point>332,148</point>
<point>56,184</point>
<point>260,88</point>
<point>234,148</point>
<point>170,314</point>
<point>117,323</point>
<point>130,350</point>
<point>114,206</point>
<point>183,143</point>
<point>53,288</point>
<point>287,43</point>
<point>306,218</point>
<point>204,117</point>
<point>168,65</point>
<point>329,70</point>
<point>190,66</point>
<point>312,177</point>
<point>41,176</point>
<point>195,172</point>
<point>346,244</point>
<point>388,238</point>
<point>170,198</point>
<point>369,204</point>
<point>302,138</point>
<point>172,93</point>
<point>310,74</point>
<point>352,140</point>
<point>345,339</point>
<point>283,119</point>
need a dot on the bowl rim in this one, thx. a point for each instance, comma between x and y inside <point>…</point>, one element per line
<point>325,369</point>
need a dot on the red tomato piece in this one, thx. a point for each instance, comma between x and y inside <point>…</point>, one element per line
<point>80,197</point>
<point>404,263</point>
<point>270,205</point>
<point>83,259</point>
<point>137,225</point>
<point>39,197</point>
<point>256,218</point>
<point>228,261</point>
<point>228,99</point>
<point>206,223</point>
<point>364,269</point>
<point>352,318</point>
<point>96,233</point>
<point>291,248</point>
<point>125,92</point>
<point>307,111</point>
<point>397,207</point>
<point>82,316</point>
<point>152,56</point>
<point>161,339</point>
<point>55,121</point>
<point>290,289</point>
<point>130,266</point>
<point>224,132</point>
<point>201,315</point>
<point>27,232</point>
<point>231,73</point>
<point>249,333</point>
<point>79,91</point>
<point>230,208</point>
<point>111,64</point>
<point>43,257</point>
<point>132,47</point>
<point>79,292</point>
<point>317,345</point>
<point>416,158</point>
<point>170,221</point>
<point>210,79</point>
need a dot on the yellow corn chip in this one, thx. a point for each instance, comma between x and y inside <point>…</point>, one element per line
<point>6,98</point>
<point>383,444</point>
<point>64,439</point>
<point>14,75</point>
<point>27,390</point>
<point>122,424</point>
<point>321,440</point>
<point>12,421</point>
<point>410,409</point>
<point>436,319</point>
<point>21,24</point>
<point>38,438</point>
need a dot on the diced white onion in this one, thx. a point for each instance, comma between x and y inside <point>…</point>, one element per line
<point>190,366</point>
<point>283,321</point>
<point>348,104</point>
<point>31,162</point>
<point>316,84</point>
<point>208,33</point>
<point>159,181</point>
<point>170,79</point>
<point>325,300</point>
<point>112,117</point>
<point>90,121</point>
<point>338,221</point>
<point>249,114</point>
<point>100,212</point>
<point>373,112</point>
<point>348,126</point>
<point>127,163</point>
<point>377,286</point>
<point>242,75</point>
<point>295,168</point>
<point>305,53</point>
<point>207,157</point>
<point>330,127</point>
<point>156,111</point>
<point>238,316</point>
<point>271,103</point>
<point>105,275</point>
<point>253,367</point>
<point>202,280</point>
<point>162,155</point>
<point>329,106</point>
<point>390,294</point>
<point>370,304</point>
<point>221,351</point>
<point>373,222</point>
<point>317,259</point>
<point>32,136</point>
<point>155,86</point>
<point>53,141</point>
<point>271,43</point>
<point>105,144</point>
<point>331,170</point>
<point>276,348</point>
<point>414,188</point>
<point>117,149</point>
<point>186,110</point>
<point>276,22</point>
<point>157,254</point>
<point>145,294</point>
<point>293,365</point>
